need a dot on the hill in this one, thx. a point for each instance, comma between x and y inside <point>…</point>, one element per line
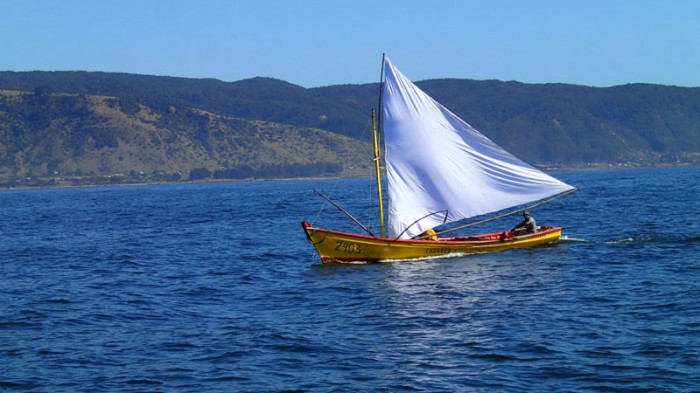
<point>92,127</point>
<point>557,124</point>
<point>74,139</point>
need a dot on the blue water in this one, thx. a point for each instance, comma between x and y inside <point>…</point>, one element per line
<point>213,288</point>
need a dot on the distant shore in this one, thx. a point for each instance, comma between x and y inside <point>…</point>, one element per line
<point>67,182</point>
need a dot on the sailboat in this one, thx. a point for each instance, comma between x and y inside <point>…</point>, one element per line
<point>439,170</point>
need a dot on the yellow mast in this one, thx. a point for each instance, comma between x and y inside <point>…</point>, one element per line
<point>376,167</point>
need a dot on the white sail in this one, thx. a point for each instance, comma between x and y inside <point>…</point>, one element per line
<point>437,162</point>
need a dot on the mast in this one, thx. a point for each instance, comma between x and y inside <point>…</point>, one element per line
<point>376,147</point>
<point>376,167</point>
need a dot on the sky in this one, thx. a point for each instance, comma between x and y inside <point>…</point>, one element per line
<point>315,43</point>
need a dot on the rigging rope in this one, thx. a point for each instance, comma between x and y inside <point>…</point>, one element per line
<point>505,214</point>
<point>367,126</point>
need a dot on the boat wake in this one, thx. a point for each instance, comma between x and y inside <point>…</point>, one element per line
<point>419,259</point>
<point>656,238</point>
<point>621,241</point>
<point>567,239</point>
<point>430,258</point>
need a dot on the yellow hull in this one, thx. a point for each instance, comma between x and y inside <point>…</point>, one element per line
<point>334,246</point>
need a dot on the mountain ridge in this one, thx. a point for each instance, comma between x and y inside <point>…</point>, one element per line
<point>96,127</point>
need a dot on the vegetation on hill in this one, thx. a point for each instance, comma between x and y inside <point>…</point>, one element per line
<point>73,139</point>
<point>93,127</point>
<point>557,124</point>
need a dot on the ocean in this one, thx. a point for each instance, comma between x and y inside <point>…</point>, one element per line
<point>213,287</point>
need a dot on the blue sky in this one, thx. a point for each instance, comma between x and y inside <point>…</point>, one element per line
<point>327,42</point>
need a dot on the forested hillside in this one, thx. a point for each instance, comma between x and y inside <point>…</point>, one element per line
<point>92,127</point>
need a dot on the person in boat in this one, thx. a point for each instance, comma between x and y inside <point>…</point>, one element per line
<point>528,223</point>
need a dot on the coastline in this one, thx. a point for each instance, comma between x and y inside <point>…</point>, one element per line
<point>67,182</point>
